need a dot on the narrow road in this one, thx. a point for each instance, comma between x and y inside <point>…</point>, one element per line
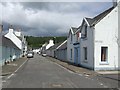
<point>39,72</point>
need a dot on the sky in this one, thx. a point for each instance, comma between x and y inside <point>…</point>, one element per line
<point>48,18</point>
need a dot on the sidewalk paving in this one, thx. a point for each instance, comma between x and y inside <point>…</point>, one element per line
<point>81,70</point>
<point>12,66</point>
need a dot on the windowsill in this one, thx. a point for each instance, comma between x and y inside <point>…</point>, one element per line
<point>104,63</point>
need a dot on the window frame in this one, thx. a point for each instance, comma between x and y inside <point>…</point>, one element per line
<point>104,50</point>
<point>85,53</point>
<point>71,51</point>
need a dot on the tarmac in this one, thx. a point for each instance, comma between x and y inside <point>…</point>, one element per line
<point>12,66</point>
<point>105,76</point>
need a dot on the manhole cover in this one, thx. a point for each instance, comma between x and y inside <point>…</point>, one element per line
<point>57,85</point>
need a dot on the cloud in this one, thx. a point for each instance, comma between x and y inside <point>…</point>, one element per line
<point>49,18</point>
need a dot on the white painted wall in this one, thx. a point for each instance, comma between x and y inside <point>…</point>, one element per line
<point>88,42</point>
<point>50,44</point>
<point>119,33</point>
<point>106,32</point>
<point>69,47</point>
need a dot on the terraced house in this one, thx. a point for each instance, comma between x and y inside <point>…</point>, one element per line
<point>98,41</point>
<point>11,47</point>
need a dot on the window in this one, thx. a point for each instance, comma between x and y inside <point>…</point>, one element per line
<point>104,54</point>
<point>85,31</point>
<point>77,36</point>
<point>71,38</point>
<point>71,53</point>
<point>85,53</point>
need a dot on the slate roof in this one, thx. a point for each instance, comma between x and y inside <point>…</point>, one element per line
<point>54,46</point>
<point>96,19</point>
<point>64,46</point>
<point>74,29</point>
<point>7,42</point>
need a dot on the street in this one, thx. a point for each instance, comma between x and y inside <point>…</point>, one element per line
<point>39,72</point>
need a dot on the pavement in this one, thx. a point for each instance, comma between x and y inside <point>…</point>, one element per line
<point>78,69</point>
<point>12,66</point>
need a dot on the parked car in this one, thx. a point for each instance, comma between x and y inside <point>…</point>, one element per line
<point>30,54</point>
<point>44,54</point>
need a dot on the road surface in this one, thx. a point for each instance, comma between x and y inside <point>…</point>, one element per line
<point>40,72</point>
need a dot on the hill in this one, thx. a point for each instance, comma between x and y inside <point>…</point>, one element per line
<point>36,42</point>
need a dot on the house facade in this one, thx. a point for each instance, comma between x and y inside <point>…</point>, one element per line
<point>52,50</point>
<point>19,34</point>
<point>61,51</point>
<point>76,45</point>
<point>98,43</point>
<point>8,50</point>
<point>46,47</point>
<point>11,46</point>
<point>70,46</point>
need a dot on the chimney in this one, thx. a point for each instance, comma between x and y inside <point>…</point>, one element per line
<point>1,28</point>
<point>114,3</point>
<point>11,29</point>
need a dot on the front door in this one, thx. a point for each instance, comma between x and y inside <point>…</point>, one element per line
<point>77,55</point>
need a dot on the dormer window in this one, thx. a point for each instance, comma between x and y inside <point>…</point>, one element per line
<point>84,34</point>
<point>85,31</point>
<point>71,38</point>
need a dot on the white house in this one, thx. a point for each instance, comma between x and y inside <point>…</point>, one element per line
<point>61,51</point>
<point>46,46</point>
<point>18,39</point>
<point>70,46</point>
<point>76,45</point>
<point>49,44</point>
<point>19,34</point>
<point>99,40</point>
<point>14,38</point>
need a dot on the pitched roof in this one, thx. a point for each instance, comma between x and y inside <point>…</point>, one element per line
<point>54,46</point>
<point>7,42</point>
<point>96,19</point>
<point>63,46</point>
<point>74,29</point>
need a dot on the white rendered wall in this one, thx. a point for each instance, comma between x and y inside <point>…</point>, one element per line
<point>69,47</point>
<point>50,44</point>
<point>106,34</point>
<point>88,42</point>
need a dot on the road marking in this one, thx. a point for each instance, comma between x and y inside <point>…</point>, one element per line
<point>16,70</point>
<point>21,66</point>
<point>3,81</point>
<point>10,76</point>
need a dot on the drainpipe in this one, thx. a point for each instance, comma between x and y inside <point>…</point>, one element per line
<point>119,34</point>
<point>93,47</point>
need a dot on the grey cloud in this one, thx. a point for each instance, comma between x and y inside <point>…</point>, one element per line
<point>49,18</point>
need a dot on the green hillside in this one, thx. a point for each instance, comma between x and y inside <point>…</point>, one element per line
<point>36,42</point>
